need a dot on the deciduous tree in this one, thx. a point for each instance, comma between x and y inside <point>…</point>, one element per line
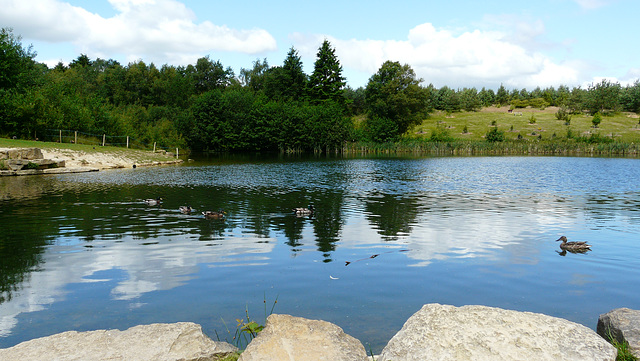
<point>394,94</point>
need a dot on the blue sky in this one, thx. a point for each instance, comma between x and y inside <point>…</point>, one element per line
<point>521,44</point>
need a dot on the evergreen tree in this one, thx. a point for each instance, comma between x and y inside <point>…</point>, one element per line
<point>294,77</point>
<point>287,81</point>
<point>502,96</point>
<point>326,82</point>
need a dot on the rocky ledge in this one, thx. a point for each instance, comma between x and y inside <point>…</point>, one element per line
<point>435,332</point>
<point>31,161</point>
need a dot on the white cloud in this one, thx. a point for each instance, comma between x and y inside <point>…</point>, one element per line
<point>164,31</point>
<point>456,60</point>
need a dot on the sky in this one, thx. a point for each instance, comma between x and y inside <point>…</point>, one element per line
<point>454,43</point>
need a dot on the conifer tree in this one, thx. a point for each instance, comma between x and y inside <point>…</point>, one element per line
<point>326,82</point>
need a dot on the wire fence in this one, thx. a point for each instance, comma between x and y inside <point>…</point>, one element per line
<point>78,137</point>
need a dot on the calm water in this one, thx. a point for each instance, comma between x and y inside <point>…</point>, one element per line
<point>83,252</point>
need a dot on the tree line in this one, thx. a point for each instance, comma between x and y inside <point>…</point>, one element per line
<point>206,106</point>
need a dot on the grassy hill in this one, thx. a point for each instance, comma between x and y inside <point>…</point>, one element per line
<point>531,124</point>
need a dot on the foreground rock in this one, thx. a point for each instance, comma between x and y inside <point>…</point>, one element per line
<point>182,341</point>
<point>440,332</point>
<point>623,325</point>
<point>293,338</point>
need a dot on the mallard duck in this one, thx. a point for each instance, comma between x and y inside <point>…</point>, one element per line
<point>153,202</point>
<point>214,215</point>
<point>303,211</point>
<point>573,246</point>
<point>186,209</point>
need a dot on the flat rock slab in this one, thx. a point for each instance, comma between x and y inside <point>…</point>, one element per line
<point>289,338</point>
<point>623,325</point>
<point>182,341</point>
<point>441,332</point>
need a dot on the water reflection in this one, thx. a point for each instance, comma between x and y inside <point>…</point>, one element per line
<point>392,221</point>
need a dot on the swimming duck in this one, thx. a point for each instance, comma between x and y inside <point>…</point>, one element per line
<point>186,209</point>
<point>303,211</point>
<point>573,246</point>
<point>214,215</point>
<point>153,202</point>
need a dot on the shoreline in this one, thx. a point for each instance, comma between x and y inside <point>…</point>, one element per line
<point>78,161</point>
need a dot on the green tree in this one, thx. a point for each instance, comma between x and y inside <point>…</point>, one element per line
<point>209,75</point>
<point>576,100</point>
<point>255,78</point>
<point>603,97</point>
<point>287,81</point>
<point>447,99</point>
<point>326,83</point>
<point>502,96</point>
<point>469,99</point>
<point>19,74</point>
<point>487,97</point>
<point>630,97</point>
<point>295,80</point>
<point>355,100</point>
<point>394,94</point>
<point>81,61</point>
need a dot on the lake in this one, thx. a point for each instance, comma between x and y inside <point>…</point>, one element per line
<point>84,252</point>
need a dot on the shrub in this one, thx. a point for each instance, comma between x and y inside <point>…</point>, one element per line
<point>597,119</point>
<point>32,165</point>
<point>494,135</point>
<point>440,134</point>
<point>564,114</point>
<point>595,138</point>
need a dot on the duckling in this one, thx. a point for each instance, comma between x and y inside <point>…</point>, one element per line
<point>214,215</point>
<point>153,202</point>
<point>303,211</point>
<point>573,246</point>
<point>186,209</point>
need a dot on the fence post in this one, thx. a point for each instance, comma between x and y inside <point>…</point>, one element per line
<point>76,137</point>
<point>60,136</point>
<point>127,141</point>
<point>103,138</point>
<point>176,153</point>
<point>154,147</point>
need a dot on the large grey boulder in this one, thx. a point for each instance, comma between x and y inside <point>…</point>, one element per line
<point>441,332</point>
<point>182,341</point>
<point>289,338</point>
<point>623,325</point>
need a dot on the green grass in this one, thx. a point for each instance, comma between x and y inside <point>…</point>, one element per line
<point>624,354</point>
<point>622,127</point>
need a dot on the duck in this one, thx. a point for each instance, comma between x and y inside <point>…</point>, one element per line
<point>573,246</point>
<point>214,215</point>
<point>153,202</point>
<point>303,211</point>
<point>186,209</point>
